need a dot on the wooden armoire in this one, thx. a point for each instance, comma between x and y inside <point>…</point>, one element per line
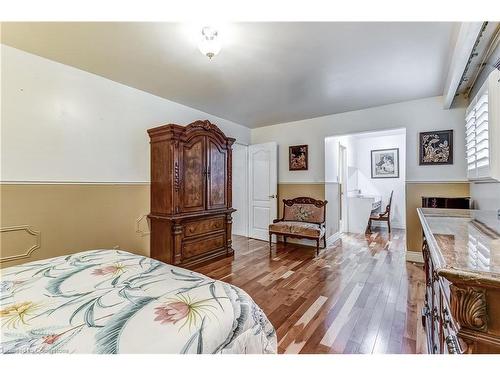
<point>190,193</point>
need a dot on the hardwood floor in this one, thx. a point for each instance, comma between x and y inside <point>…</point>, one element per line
<point>358,296</point>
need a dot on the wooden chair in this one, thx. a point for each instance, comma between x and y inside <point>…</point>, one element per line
<point>384,216</point>
<point>303,217</point>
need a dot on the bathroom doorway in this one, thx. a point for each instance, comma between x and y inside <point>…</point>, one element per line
<point>361,171</point>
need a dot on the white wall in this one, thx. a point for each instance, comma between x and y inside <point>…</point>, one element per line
<point>64,124</point>
<point>485,196</point>
<point>383,186</point>
<point>332,208</point>
<point>415,116</point>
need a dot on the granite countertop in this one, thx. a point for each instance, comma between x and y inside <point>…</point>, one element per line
<point>463,243</point>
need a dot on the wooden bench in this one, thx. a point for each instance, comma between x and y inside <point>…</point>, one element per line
<point>303,217</point>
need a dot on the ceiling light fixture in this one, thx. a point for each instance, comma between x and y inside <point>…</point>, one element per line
<point>209,43</point>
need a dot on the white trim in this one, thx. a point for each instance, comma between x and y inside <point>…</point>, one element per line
<point>75,183</point>
<point>467,36</point>
<point>414,256</point>
<point>437,182</point>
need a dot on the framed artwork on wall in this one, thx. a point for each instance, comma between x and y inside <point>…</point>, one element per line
<point>436,147</point>
<point>297,158</point>
<point>385,163</point>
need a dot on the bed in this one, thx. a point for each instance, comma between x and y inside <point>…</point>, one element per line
<point>112,301</point>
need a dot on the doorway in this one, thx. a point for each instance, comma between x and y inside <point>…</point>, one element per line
<point>359,184</point>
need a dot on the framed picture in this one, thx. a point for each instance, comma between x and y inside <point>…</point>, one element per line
<point>297,158</point>
<point>436,148</point>
<point>385,163</point>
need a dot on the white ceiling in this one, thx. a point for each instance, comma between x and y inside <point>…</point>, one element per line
<point>266,73</point>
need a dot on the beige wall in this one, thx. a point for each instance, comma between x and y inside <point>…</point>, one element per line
<point>67,218</point>
<point>414,194</point>
<point>288,191</point>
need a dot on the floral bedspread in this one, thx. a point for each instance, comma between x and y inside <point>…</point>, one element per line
<point>111,301</point>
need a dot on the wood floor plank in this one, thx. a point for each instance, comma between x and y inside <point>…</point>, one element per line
<point>358,296</point>
<point>342,317</point>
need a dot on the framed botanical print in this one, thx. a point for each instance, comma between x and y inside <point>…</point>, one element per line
<point>436,147</point>
<point>385,163</point>
<point>297,158</point>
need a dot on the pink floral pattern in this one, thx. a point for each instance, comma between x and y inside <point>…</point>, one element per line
<point>172,312</point>
<point>109,270</point>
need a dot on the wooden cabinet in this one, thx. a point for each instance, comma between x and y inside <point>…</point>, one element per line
<point>441,329</point>
<point>461,251</point>
<point>190,193</point>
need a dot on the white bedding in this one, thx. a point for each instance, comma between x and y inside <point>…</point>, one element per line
<point>110,301</point>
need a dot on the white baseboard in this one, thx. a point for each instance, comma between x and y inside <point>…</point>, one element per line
<point>414,256</point>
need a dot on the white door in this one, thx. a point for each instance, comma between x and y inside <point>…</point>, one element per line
<point>240,189</point>
<point>262,188</point>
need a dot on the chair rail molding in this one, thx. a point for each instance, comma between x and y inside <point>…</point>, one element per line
<point>27,253</point>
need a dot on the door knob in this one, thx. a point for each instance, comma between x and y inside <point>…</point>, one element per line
<point>272,196</point>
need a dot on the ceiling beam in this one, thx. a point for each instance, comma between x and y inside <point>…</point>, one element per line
<point>467,36</point>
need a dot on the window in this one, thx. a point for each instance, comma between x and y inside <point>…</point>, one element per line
<point>480,130</point>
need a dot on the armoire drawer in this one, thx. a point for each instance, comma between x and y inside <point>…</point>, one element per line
<point>198,227</point>
<point>194,248</point>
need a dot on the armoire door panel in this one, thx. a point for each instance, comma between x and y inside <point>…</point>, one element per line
<point>193,175</point>
<point>217,171</point>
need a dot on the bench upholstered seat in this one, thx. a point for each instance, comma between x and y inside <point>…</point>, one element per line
<point>297,228</point>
